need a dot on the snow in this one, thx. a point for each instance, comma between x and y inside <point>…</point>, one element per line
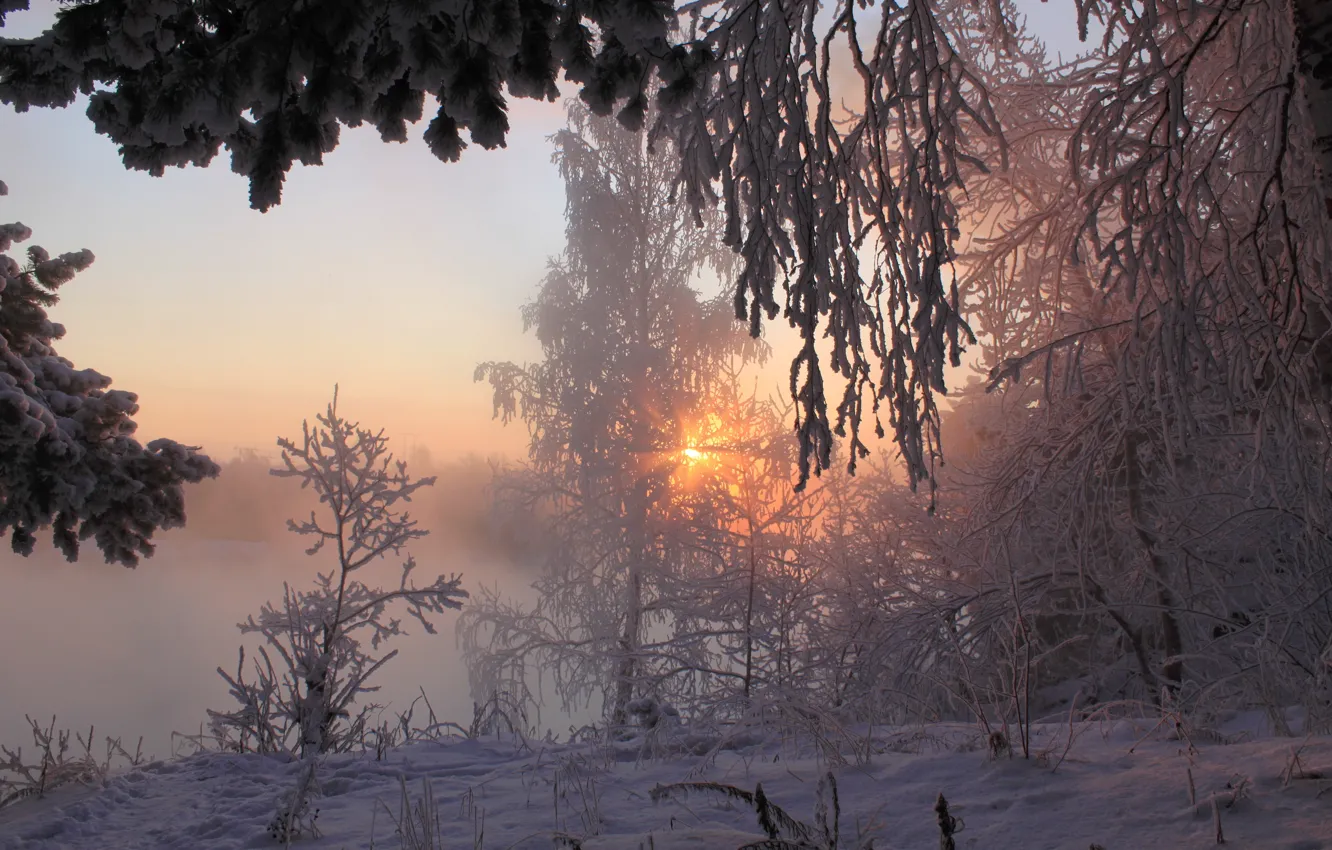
<point>1113,789</point>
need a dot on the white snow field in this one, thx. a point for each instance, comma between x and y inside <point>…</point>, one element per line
<point>1122,786</point>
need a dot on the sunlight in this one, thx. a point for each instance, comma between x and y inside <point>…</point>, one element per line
<point>692,455</point>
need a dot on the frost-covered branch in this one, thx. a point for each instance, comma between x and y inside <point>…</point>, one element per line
<point>318,634</point>
<point>751,95</point>
<point>68,458</point>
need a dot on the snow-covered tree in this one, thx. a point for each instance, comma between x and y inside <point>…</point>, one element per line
<point>841,141</point>
<point>68,457</point>
<point>1139,238</point>
<point>303,703</point>
<point>1174,380</point>
<point>629,353</point>
<point>764,594</point>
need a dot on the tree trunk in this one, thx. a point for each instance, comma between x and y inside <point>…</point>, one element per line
<point>749,613</point>
<point>314,711</point>
<point>1313,28</point>
<point>1172,644</point>
<point>629,641</point>
<point>632,635</point>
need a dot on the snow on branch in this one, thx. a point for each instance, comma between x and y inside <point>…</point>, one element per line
<point>838,144</point>
<point>318,634</point>
<point>848,146</point>
<point>68,458</point>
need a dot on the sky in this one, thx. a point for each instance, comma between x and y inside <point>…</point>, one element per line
<point>384,271</point>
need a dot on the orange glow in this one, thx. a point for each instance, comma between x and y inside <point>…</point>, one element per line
<point>692,455</point>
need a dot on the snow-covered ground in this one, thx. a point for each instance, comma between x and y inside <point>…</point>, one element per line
<point>134,652</point>
<point>1112,788</point>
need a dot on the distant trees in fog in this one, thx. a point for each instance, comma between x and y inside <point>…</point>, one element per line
<point>245,503</point>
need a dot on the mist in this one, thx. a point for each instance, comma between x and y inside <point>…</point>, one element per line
<point>134,652</point>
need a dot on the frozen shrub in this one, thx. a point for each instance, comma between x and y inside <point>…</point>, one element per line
<point>303,701</point>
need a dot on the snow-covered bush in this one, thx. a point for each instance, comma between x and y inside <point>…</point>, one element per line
<point>303,702</point>
<point>68,457</point>
<point>53,765</point>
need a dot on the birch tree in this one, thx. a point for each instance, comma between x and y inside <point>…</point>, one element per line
<point>629,351</point>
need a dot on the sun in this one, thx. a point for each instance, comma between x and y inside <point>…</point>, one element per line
<point>692,455</point>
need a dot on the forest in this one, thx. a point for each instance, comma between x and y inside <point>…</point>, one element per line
<point>898,372</point>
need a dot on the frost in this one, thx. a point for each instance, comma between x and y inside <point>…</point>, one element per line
<point>68,461</point>
<point>11,233</point>
<point>317,635</point>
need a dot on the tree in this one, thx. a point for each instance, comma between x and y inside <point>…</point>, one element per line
<point>629,354</point>
<point>767,591</point>
<point>68,457</point>
<point>318,634</point>
<point>842,146</point>
<point>1182,366</point>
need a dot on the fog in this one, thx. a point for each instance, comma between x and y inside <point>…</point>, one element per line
<point>135,652</point>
